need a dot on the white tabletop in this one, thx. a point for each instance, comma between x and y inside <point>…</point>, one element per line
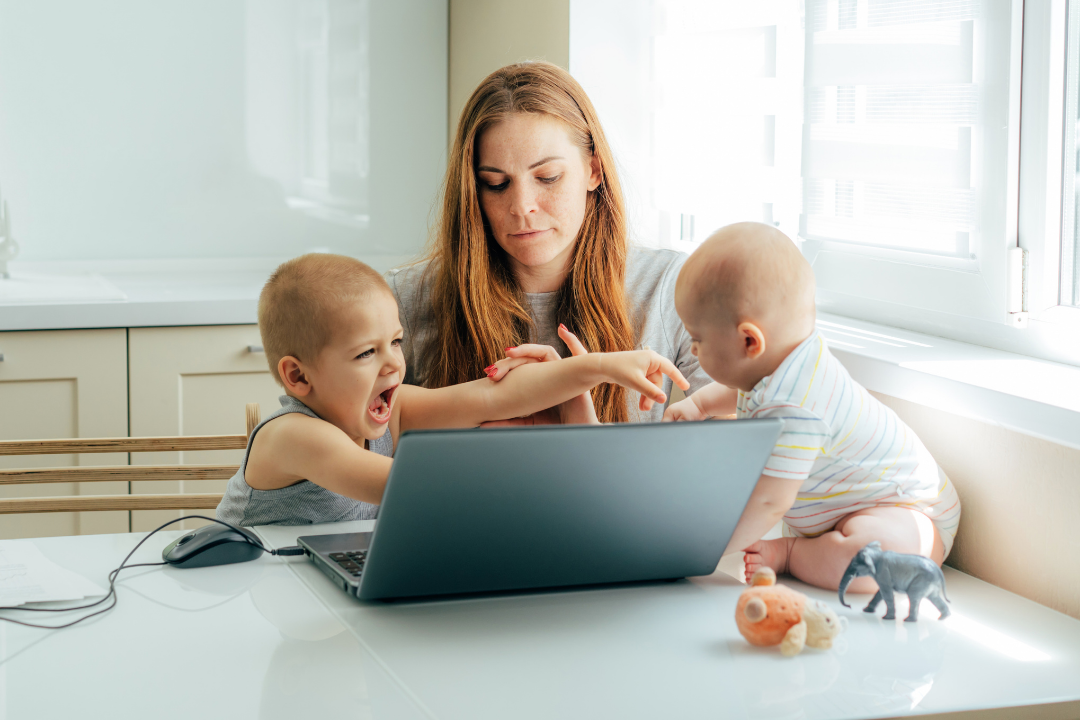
<point>275,639</point>
<point>237,641</point>
<point>672,650</point>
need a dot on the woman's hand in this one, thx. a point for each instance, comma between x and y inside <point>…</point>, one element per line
<point>577,411</point>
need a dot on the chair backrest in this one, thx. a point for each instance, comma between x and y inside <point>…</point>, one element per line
<point>83,503</point>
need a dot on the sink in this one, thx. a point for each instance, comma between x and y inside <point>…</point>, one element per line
<point>40,289</point>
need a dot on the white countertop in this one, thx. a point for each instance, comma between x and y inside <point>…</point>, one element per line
<point>157,293</point>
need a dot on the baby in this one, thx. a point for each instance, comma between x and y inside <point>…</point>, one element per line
<point>331,333</point>
<point>846,469</point>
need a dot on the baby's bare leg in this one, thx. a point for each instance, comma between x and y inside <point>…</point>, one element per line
<point>821,561</point>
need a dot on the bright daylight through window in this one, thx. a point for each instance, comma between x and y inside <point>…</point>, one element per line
<point>882,135</point>
<point>889,111</point>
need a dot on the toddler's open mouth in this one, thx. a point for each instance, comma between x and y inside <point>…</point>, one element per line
<point>379,408</point>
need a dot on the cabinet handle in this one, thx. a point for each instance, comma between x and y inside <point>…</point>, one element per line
<point>250,349</point>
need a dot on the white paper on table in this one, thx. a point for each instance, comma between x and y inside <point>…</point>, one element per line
<point>26,575</point>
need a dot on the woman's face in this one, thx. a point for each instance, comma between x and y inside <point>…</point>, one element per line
<point>533,182</point>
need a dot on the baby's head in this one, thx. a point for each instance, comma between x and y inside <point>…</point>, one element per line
<point>330,329</point>
<point>746,296</point>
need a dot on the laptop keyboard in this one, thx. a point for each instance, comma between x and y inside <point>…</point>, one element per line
<point>351,562</point>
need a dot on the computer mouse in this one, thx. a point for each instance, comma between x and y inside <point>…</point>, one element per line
<point>212,545</point>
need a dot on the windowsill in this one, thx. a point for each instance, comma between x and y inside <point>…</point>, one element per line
<point>1034,397</point>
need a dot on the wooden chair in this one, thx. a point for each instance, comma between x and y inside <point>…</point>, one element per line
<point>82,503</point>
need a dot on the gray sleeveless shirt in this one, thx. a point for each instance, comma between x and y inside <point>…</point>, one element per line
<point>304,503</point>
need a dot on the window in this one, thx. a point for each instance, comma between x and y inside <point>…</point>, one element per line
<point>1070,233</point>
<point>883,135</point>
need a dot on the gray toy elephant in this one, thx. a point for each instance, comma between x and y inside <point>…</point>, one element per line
<point>915,575</point>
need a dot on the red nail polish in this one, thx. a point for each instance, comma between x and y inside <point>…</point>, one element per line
<point>562,327</point>
<point>512,348</point>
<point>488,369</point>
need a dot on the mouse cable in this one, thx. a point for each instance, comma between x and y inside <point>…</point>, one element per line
<point>111,594</point>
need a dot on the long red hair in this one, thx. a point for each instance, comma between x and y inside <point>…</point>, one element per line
<point>480,308</point>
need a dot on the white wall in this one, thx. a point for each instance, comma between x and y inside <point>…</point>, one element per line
<point>485,35</point>
<point>1019,496</point>
<point>221,128</point>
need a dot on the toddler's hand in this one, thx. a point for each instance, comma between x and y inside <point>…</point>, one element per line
<point>684,410</point>
<point>643,371</point>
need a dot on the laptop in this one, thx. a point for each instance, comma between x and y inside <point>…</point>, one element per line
<point>508,509</point>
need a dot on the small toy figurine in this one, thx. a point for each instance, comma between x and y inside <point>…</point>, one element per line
<point>769,614</point>
<point>916,576</point>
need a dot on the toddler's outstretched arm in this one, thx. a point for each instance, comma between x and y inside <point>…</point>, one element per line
<point>713,400</point>
<point>534,387</point>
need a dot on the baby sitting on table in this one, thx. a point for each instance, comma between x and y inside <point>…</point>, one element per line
<point>846,470</point>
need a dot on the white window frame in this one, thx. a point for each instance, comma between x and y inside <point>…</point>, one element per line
<point>1043,211</point>
<point>1030,216</point>
<point>920,291</point>
<point>1034,210</point>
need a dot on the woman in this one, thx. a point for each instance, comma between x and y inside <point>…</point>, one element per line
<point>533,234</point>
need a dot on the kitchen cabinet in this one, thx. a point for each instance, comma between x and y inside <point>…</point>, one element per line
<point>63,384</point>
<point>193,381</point>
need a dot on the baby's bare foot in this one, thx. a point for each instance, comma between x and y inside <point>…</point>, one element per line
<point>768,553</point>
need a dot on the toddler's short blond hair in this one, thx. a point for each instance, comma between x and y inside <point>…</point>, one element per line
<point>300,301</point>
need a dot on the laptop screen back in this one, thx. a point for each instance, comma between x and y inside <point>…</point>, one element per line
<point>516,508</point>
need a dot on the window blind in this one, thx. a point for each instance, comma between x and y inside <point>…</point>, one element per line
<point>891,120</point>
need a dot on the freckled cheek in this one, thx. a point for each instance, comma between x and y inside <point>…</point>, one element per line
<point>566,208</point>
<point>494,211</point>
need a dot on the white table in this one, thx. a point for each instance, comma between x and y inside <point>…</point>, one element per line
<point>275,639</point>
<point>672,651</point>
<point>237,641</point>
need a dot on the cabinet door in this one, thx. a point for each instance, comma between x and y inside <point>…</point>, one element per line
<point>193,381</point>
<point>63,384</point>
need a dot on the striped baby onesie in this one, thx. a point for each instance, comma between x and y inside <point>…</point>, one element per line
<point>851,451</point>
